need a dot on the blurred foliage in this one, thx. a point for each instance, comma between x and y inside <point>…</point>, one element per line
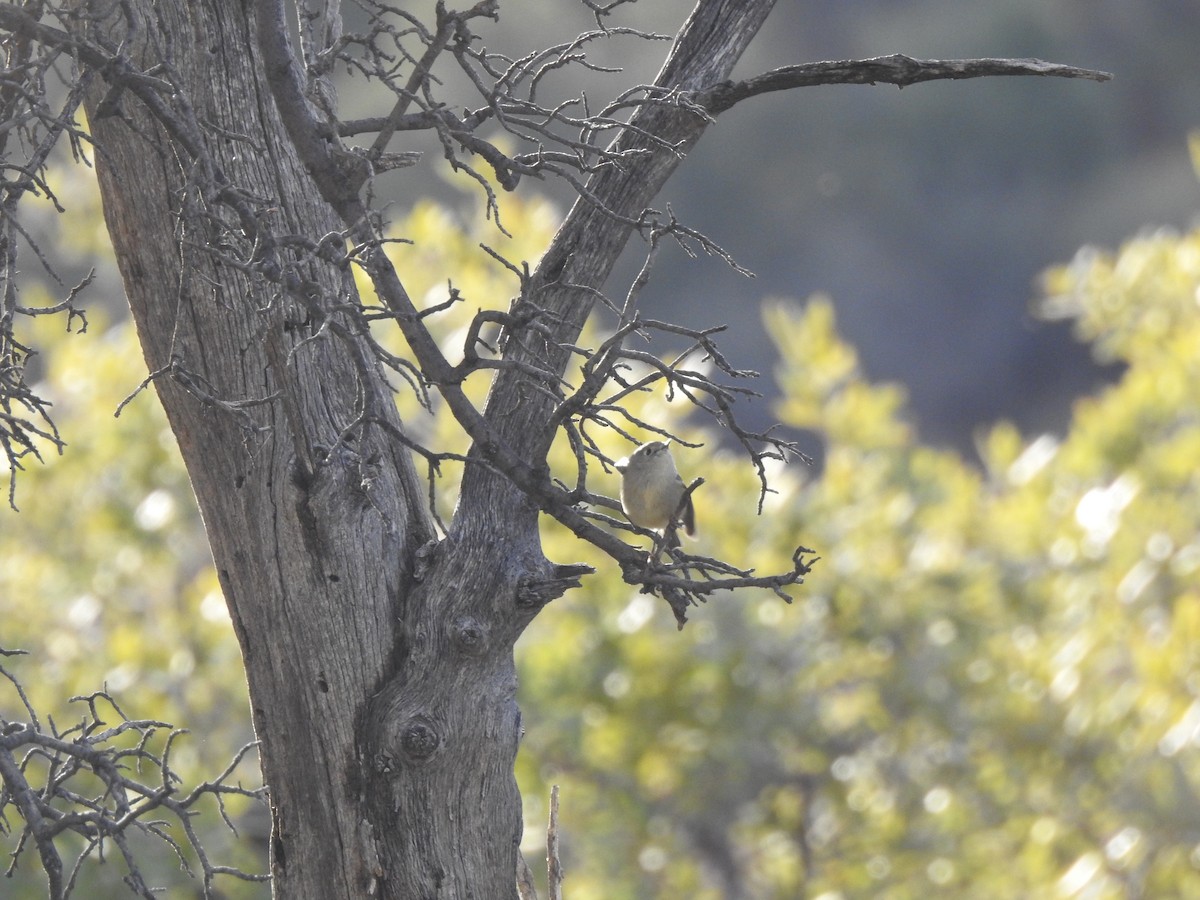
<point>990,686</point>
<point>106,578</point>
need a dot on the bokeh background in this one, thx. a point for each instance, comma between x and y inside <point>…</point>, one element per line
<point>927,213</point>
<point>989,685</point>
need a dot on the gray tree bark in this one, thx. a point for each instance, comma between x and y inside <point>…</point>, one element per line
<point>315,560</point>
<point>380,665</point>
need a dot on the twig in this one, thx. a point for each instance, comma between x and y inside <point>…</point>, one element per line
<point>896,69</point>
<point>52,807</point>
<point>554,871</point>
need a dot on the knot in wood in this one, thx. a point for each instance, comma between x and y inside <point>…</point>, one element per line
<point>534,592</point>
<point>425,556</point>
<point>470,635</point>
<point>420,740</point>
<point>384,764</point>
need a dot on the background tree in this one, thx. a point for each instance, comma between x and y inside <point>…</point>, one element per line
<point>379,658</point>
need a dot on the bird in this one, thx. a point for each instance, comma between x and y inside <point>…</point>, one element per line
<point>652,493</point>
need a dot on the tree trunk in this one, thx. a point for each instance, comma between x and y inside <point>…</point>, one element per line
<point>315,555</point>
<point>380,664</point>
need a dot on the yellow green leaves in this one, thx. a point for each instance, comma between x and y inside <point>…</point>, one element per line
<point>987,687</point>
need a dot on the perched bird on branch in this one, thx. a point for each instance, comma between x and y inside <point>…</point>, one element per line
<point>652,493</point>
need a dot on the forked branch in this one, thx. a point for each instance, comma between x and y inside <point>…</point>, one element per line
<point>105,779</point>
<point>616,155</point>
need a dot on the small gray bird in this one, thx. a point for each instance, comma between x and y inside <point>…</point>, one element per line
<point>651,489</point>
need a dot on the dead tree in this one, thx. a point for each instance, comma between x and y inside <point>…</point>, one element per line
<point>378,644</point>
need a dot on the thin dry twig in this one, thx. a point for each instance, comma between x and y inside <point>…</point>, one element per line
<point>49,778</point>
<point>554,869</point>
<point>572,138</point>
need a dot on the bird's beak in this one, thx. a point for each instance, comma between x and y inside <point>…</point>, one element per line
<point>622,464</point>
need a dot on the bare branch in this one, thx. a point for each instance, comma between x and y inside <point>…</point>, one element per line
<point>562,140</point>
<point>896,69</point>
<point>448,25</point>
<point>554,874</point>
<point>48,778</point>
